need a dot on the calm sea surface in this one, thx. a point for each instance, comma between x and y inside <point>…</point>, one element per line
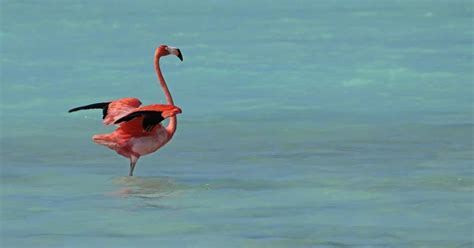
<point>305,124</point>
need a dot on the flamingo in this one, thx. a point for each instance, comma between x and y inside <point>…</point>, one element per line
<point>139,130</point>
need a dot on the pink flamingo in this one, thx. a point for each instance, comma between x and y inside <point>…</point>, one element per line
<point>139,130</point>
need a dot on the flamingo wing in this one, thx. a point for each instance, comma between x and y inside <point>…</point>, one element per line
<point>100,105</point>
<point>120,108</point>
<point>151,116</point>
<point>113,110</point>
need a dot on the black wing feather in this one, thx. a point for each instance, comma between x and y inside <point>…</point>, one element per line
<point>150,118</point>
<point>100,105</point>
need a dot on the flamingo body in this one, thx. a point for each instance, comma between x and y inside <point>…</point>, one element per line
<point>130,138</point>
<point>128,144</point>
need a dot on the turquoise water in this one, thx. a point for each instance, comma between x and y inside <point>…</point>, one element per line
<point>305,124</point>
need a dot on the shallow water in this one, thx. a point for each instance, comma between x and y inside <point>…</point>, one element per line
<point>339,124</point>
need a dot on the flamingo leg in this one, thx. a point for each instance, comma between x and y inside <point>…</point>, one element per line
<point>133,162</point>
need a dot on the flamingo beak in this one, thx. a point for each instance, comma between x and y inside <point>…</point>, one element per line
<point>175,51</point>
<point>180,56</point>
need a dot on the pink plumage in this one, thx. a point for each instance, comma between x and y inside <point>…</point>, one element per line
<point>139,130</point>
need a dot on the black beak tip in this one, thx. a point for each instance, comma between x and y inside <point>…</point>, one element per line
<point>180,56</point>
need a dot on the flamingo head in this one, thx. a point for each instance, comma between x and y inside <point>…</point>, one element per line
<point>165,50</point>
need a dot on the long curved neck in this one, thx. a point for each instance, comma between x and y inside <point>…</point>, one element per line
<point>171,128</point>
